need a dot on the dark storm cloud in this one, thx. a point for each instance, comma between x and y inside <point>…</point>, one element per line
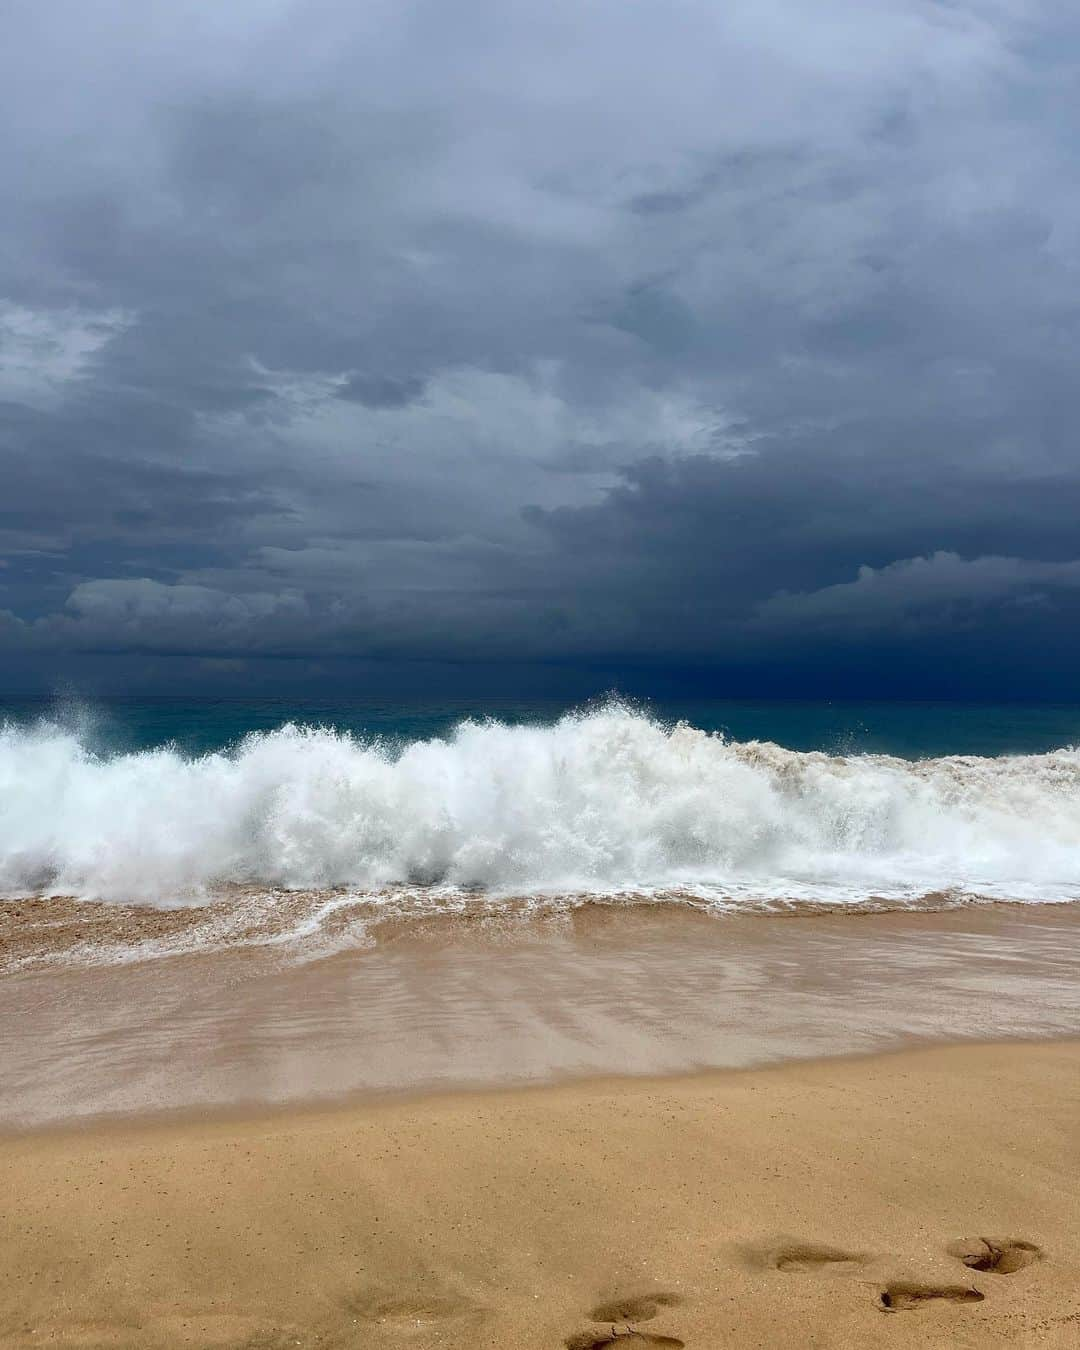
<point>381,391</point>
<point>738,339</point>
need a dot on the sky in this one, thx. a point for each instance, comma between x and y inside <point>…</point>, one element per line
<point>724,347</point>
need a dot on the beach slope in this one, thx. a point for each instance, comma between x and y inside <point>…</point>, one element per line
<point>923,1198</point>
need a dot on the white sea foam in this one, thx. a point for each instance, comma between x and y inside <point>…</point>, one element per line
<point>599,802</point>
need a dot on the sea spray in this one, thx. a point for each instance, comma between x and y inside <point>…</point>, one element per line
<point>602,801</point>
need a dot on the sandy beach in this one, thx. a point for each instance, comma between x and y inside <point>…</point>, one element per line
<point>923,1198</point>
<point>636,1124</point>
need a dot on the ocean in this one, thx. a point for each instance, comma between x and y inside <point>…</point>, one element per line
<point>915,730</point>
<point>215,902</point>
<point>164,802</point>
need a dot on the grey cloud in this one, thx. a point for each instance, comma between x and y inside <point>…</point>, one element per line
<point>147,615</point>
<point>381,391</point>
<point>558,333</point>
<point>921,594</point>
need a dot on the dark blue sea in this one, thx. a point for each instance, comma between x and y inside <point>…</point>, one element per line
<point>907,730</point>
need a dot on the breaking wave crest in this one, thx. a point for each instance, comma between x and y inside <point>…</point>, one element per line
<point>600,802</point>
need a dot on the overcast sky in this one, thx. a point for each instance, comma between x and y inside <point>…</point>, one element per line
<point>733,344</point>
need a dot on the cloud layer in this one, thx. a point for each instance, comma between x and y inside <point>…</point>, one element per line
<point>736,339</point>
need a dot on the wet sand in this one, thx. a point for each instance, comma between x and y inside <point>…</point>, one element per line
<point>926,1198</point>
<point>254,1148</point>
<point>460,1002</point>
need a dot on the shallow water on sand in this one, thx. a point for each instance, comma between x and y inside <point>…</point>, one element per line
<point>459,1002</point>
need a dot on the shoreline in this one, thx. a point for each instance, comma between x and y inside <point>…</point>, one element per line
<point>257,1115</point>
<point>808,1203</point>
<point>629,991</point>
<point>68,932</point>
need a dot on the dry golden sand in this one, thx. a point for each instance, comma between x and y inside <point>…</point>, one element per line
<point>768,1207</point>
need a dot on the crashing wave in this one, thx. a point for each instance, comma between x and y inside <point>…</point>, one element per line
<point>600,801</point>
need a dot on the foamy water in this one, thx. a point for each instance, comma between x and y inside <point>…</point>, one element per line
<point>600,803</point>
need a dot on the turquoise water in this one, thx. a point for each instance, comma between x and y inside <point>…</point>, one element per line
<point>908,730</point>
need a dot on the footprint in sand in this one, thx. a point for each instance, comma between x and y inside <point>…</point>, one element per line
<point>903,1295</point>
<point>811,1258</point>
<point>638,1308</point>
<point>628,1336</point>
<point>407,1316</point>
<point>628,1309</point>
<point>997,1256</point>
